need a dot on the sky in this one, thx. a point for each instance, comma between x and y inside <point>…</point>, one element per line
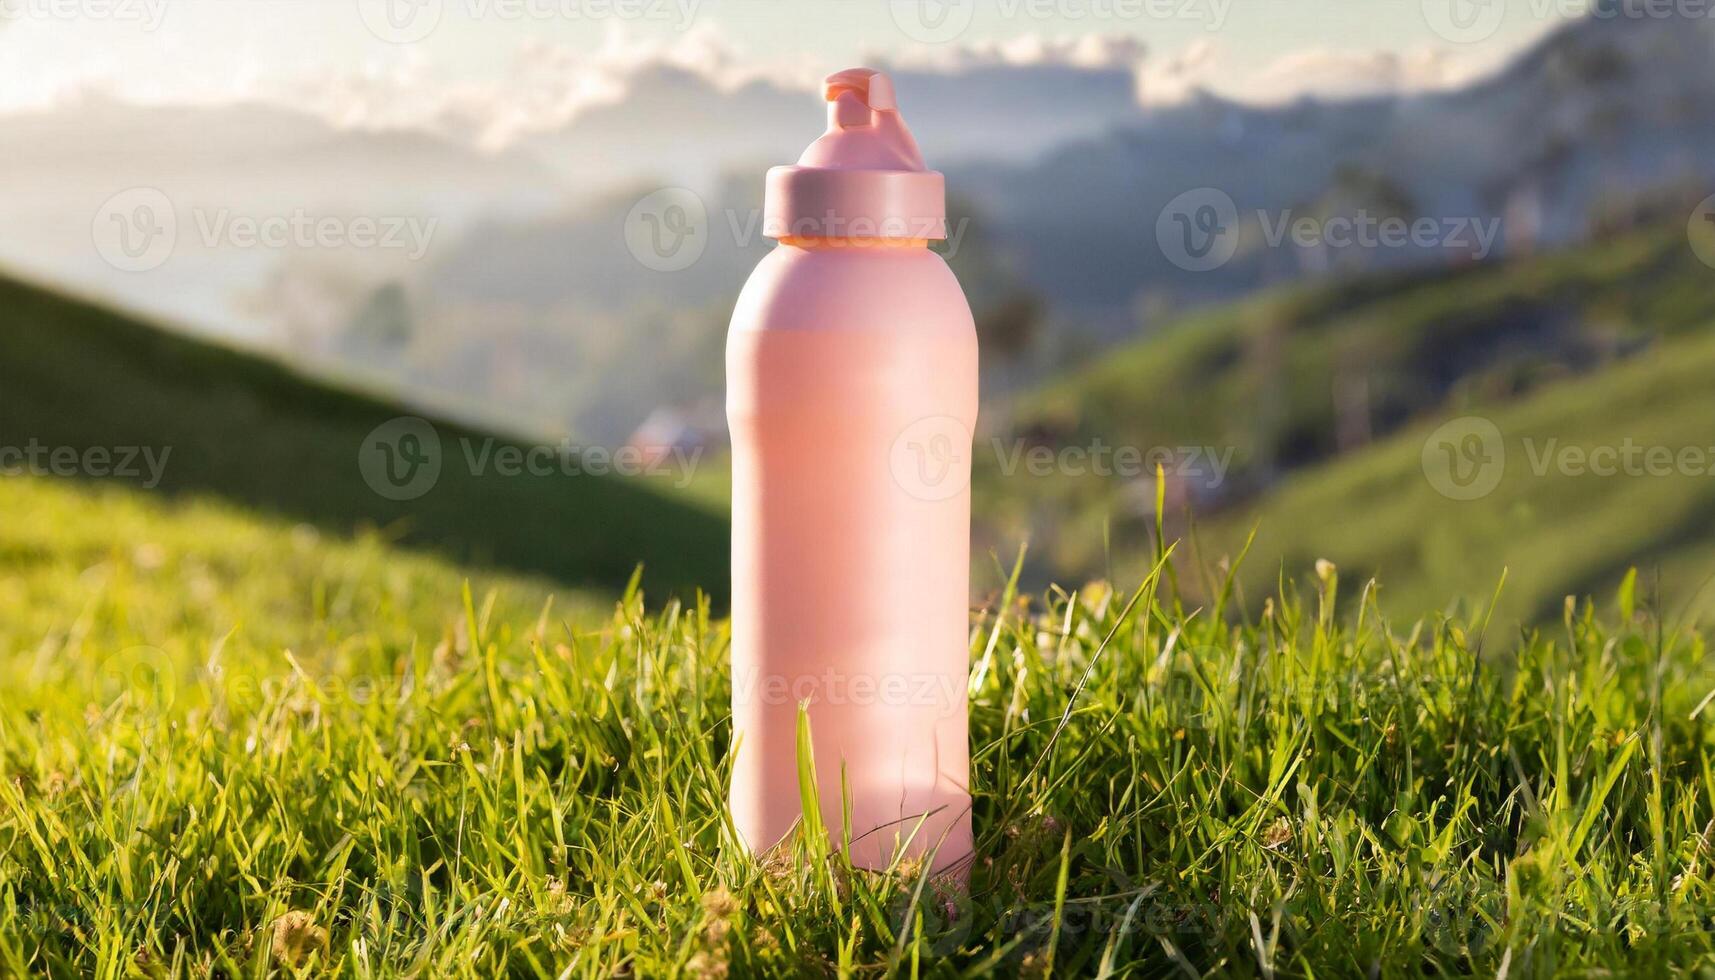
<point>390,62</point>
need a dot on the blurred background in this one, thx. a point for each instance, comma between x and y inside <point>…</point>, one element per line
<point>1421,288</point>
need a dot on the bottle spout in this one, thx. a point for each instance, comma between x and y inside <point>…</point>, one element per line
<point>862,178</point>
<point>865,129</point>
<point>871,88</point>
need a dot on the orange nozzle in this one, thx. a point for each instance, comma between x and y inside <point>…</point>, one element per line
<point>872,88</point>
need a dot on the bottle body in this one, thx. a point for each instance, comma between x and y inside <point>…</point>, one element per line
<point>851,397</point>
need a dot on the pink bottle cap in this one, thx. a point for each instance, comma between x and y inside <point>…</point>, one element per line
<point>864,178</point>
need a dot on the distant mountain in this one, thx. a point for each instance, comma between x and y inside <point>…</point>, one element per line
<point>1065,181</point>
<point>527,242</point>
<point>575,322</point>
<point>246,160</point>
<point>1583,129</point>
<point>1604,109</point>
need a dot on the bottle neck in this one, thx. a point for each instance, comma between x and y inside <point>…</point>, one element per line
<point>845,242</point>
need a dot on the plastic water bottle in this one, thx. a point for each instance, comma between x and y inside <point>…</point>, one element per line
<point>852,397</point>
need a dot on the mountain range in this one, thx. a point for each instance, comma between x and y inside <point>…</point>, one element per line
<point>1605,120</point>
<point>528,306</point>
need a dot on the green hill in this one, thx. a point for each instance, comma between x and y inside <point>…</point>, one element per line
<point>112,396</point>
<point>1324,397</point>
<point>1567,515</point>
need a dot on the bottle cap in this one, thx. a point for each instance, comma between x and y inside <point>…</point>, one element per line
<point>864,178</point>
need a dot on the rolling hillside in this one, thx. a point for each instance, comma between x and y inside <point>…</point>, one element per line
<point>1567,515</point>
<point>1325,396</point>
<point>190,418</point>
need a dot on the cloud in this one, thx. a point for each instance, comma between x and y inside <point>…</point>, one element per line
<point>1172,78</point>
<point>1348,74</point>
<point>547,86</point>
<point>542,87</point>
<point>1318,72</point>
<point>1095,52</point>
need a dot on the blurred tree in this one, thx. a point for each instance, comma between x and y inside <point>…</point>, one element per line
<point>382,325</point>
<point>1010,314</point>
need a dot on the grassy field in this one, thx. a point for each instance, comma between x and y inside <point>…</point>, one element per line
<point>241,747</point>
<point>224,423</point>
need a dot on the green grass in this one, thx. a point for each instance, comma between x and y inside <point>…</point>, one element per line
<point>248,430</point>
<point>329,761</point>
<point>92,569</point>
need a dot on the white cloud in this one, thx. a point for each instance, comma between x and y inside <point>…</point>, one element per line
<point>1091,51</point>
<point>541,86</point>
<point>1172,78</point>
<point>1320,72</point>
<point>1344,74</point>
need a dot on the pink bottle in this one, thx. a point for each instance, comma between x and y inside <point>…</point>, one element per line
<point>852,395</point>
